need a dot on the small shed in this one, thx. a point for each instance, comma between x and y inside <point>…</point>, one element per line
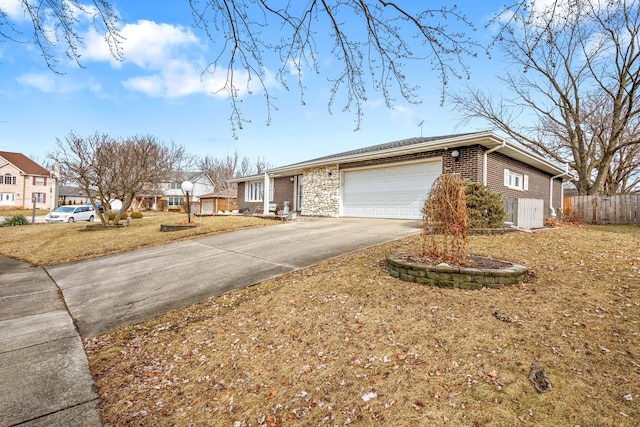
<point>219,201</point>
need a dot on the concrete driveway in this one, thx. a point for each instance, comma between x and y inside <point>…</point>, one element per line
<point>108,292</point>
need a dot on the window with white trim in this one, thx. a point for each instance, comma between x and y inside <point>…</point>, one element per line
<point>175,186</point>
<point>516,180</point>
<point>254,191</point>
<point>8,179</point>
<point>175,201</point>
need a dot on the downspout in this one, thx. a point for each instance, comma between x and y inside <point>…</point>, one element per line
<point>484,160</point>
<point>265,196</point>
<point>553,178</point>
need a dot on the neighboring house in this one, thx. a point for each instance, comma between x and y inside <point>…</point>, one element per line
<point>70,195</point>
<point>169,195</point>
<point>392,180</point>
<point>220,201</point>
<point>23,181</point>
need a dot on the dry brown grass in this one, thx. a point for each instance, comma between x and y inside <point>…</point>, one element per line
<point>49,244</point>
<point>311,347</point>
<point>6,212</point>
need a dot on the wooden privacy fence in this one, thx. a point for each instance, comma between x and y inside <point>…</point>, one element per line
<point>621,209</point>
<point>524,213</point>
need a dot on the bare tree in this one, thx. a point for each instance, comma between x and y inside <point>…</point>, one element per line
<point>372,41</point>
<point>232,165</point>
<point>575,89</point>
<point>106,168</point>
<point>54,24</point>
<point>221,169</point>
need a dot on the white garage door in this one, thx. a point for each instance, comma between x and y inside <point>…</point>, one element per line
<point>207,206</point>
<point>389,192</point>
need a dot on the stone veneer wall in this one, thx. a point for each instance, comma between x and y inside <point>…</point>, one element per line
<point>321,193</point>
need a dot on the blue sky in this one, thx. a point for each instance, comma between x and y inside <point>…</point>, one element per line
<point>157,90</point>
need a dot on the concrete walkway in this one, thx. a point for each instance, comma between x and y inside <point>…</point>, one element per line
<point>44,376</point>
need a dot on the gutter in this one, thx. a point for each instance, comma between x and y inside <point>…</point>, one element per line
<point>484,160</point>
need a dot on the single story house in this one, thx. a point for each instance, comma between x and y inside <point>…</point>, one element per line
<point>23,182</point>
<point>71,195</point>
<point>219,201</point>
<point>392,180</point>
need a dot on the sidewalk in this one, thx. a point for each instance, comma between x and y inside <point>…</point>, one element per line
<point>44,374</point>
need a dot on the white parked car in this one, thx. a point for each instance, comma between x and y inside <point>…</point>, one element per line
<point>71,214</point>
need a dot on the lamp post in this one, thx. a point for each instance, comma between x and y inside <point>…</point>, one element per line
<point>187,187</point>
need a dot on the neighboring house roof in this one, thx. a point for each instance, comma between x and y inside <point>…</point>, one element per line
<point>233,194</point>
<point>25,164</point>
<point>416,145</point>
<point>71,191</point>
<point>180,176</point>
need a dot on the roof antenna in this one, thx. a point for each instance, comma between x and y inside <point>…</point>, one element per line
<point>420,126</point>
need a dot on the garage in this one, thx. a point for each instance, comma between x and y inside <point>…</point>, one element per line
<point>389,192</point>
<point>207,206</point>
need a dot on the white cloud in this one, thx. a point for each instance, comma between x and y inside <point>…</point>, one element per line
<point>44,82</point>
<point>146,44</point>
<point>49,82</point>
<point>13,9</point>
<point>173,59</point>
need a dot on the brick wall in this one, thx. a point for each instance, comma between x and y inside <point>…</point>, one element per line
<point>538,180</point>
<point>468,164</point>
<point>283,191</point>
<point>394,159</point>
<point>243,205</point>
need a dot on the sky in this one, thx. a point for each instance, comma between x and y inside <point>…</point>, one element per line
<point>158,90</point>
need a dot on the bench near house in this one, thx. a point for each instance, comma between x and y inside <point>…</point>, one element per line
<point>22,180</point>
<point>392,180</point>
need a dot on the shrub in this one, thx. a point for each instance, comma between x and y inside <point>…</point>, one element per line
<point>14,221</point>
<point>136,215</point>
<point>112,216</point>
<point>445,229</point>
<point>484,206</point>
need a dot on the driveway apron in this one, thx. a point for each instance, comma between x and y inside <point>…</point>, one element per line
<point>109,292</point>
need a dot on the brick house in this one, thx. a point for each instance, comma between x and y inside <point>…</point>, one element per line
<point>392,180</point>
<point>22,181</point>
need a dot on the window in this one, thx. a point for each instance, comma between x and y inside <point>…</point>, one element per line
<point>8,179</point>
<point>39,180</point>
<point>175,186</point>
<point>175,201</point>
<point>39,197</point>
<point>516,180</point>
<point>254,191</point>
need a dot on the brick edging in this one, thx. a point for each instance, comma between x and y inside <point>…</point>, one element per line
<point>446,276</point>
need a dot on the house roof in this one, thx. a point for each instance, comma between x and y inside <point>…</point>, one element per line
<point>25,164</point>
<point>415,145</point>
<point>69,190</point>
<point>233,194</point>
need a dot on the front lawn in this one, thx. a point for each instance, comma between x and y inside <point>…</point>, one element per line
<point>343,343</point>
<point>49,244</point>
